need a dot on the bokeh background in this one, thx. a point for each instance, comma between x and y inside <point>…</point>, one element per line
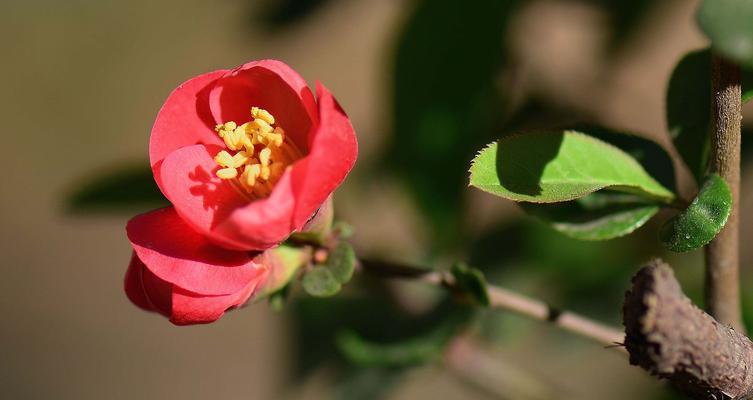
<point>426,84</point>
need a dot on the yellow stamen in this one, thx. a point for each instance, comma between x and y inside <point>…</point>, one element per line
<point>224,159</point>
<point>264,156</point>
<point>264,175</point>
<point>248,178</point>
<point>239,159</point>
<point>262,125</point>
<point>227,173</point>
<point>263,115</point>
<point>262,153</point>
<point>248,145</point>
<point>222,129</point>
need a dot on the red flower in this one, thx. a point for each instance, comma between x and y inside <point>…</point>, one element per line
<point>246,157</point>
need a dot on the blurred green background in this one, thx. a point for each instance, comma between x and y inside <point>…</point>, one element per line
<point>426,83</point>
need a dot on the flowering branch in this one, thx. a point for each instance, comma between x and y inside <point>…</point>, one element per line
<point>505,299</point>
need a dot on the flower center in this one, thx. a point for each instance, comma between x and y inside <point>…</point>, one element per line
<point>261,153</point>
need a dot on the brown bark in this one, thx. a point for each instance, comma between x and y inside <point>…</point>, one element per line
<point>722,263</point>
<point>667,335</point>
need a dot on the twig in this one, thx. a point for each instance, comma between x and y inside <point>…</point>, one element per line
<point>478,367</point>
<point>722,254</point>
<point>567,320</point>
<point>510,301</point>
<point>670,337</point>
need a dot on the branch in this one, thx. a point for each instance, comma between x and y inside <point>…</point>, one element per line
<point>667,335</point>
<point>722,257</point>
<point>490,374</point>
<point>507,300</point>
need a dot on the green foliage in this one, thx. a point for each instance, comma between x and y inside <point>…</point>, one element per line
<point>341,262</point>
<point>559,166</point>
<point>284,262</point>
<point>369,342</point>
<point>728,24</point>
<point>320,325</point>
<point>122,189</point>
<point>688,105</point>
<point>413,351</point>
<point>342,229</point>
<point>702,220</point>
<point>652,157</point>
<point>597,216</point>
<point>605,215</point>
<point>320,282</point>
<point>420,347</point>
<point>445,102</point>
<point>327,279</point>
<point>689,108</point>
<point>471,282</point>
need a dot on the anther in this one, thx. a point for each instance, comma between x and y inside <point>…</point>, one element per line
<point>227,173</point>
<point>263,114</point>
<point>261,153</point>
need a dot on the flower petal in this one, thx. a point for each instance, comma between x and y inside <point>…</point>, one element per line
<point>189,308</point>
<point>158,292</point>
<point>198,195</point>
<point>333,151</point>
<point>177,254</point>
<point>133,285</point>
<point>215,208</point>
<point>185,118</point>
<point>269,84</point>
<point>264,223</point>
<point>182,307</point>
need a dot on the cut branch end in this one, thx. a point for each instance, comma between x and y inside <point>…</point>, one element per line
<point>667,335</point>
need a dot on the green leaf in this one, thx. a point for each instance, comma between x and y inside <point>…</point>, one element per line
<point>559,166</point>
<point>652,156</point>
<point>365,353</point>
<point>416,349</point>
<point>317,323</point>
<point>319,282</point>
<point>471,282</point>
<point>728,24</point>
<point>597,216</point>
<point>124,188</point>
<point>688,105</point>
<point>702,220</point>
<point>342,229</point>
<point>341,262</point>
